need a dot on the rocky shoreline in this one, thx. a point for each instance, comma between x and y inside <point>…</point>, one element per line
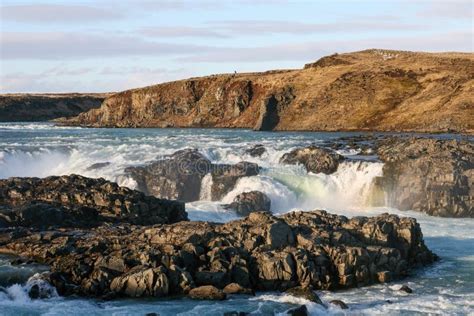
<point>203,260</point>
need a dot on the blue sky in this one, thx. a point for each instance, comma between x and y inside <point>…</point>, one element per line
<point>94,46</point>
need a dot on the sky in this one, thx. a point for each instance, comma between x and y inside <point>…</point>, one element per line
<point>105,45</point>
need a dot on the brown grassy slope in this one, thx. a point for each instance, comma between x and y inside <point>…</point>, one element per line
<point>368,90</point>
<point>41,107</point>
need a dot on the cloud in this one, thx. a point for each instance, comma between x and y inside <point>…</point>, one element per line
<point>265,27</point>
<point>53,45</point>
<point>48,13</point>
<point>455,9</point>
<point>235,28</point>
<point>62,78</point>
<point>181,31</point>
<point>308,51</point>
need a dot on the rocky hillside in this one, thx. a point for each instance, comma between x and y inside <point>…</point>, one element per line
<point>368,90</point>
<point>43,107</point>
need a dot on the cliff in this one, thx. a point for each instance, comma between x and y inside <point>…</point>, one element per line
<point>367,90</point>
<point>43,107</point>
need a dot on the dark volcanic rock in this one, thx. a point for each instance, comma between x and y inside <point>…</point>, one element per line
<point>247,202</point>
<point>224,177</point>
<point>260,252</point>
<point>305,293</point>
<point>406,289</point>
<point>179,176</point>
<point>314,159</point>
<point>339,303</point>
<point>256,151</point>
<point>79,201</point>
<point>428,175</point>
<point>98,165</point>
<point>298,311</point>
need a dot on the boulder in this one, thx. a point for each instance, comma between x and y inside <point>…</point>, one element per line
<point>180,176</point>
<point>177,176</point>
<point>298,311</point>
<point>79,201</point>
<point>314,159</point>
<point>248,202</point>
<point>225,177</point>
<point>406,289</point>
<point>339,303</point>
<point>305,293</point>
<point>207,292</point>
<point>256,151</point>
<point>236,288</point>
<point>428,175</point>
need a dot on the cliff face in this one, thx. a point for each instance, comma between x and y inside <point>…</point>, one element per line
<point>43,107</point>
<point>367,90</point>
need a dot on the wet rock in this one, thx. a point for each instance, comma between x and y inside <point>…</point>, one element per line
<point>98,165</point>
<point>428,175</point>
<point>207,292</point>
<point>248,202</point>
<point>177,176</point>
<point>34,292</point>
<point>180,176</point>
<point>314,159</point>
<point>299,311</point>
<point>256,151</point>
<point>310,250</point>
<point>305,293</point>
<point>406,289</point>
<point>76,201</point>
<point>225,177</point>
<point>339,303</point>
<point>236,288</point>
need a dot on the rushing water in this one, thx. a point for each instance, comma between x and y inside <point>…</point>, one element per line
<point>42,149</point>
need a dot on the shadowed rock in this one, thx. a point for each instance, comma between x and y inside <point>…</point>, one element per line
<point>180,175</point>
<point>314,159</point>
<point>256,151</point>
<point>76,201</point>
<point>247,202</point>
<point>428,175</point>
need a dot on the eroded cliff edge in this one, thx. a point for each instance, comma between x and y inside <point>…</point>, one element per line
<point>368,90</point>
<point>43,107</point>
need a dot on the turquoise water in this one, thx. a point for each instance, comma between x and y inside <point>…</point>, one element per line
<point>42,149</point>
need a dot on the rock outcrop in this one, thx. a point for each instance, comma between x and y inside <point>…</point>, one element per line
<point>76,201</point>
<point>180,176</point>
<point>314,250</point>
<point>375,89</point>
<point>248,202</point>
<point>428,175</point>
<point>314,159</point>
<point>256,151</point>
<point>43,107</point>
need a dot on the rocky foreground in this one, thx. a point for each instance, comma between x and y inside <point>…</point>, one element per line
<point>43,107</point>
<point>107,255</point>
<point>377,90</point>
